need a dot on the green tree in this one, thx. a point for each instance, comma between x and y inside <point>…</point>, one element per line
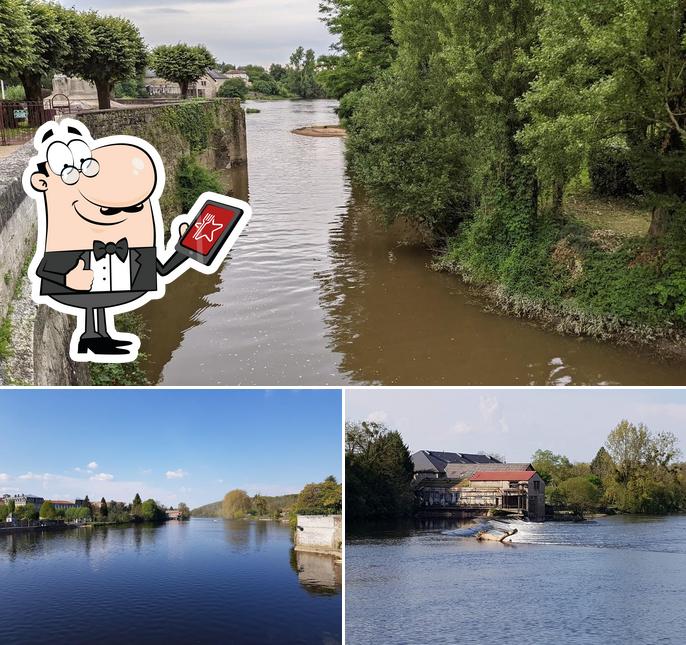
<point>233,88</point>
<point>4,512</point>
<point>364,46</point>
<point>378,472</point>
<point>28,512</point>
<point>17,38</point>
<point>119,54</point>
<point>236,504</point>
<point>184,511</point>
<point>302,74</point>
<point>181,63</point>
<point>552,468</point>
<point>278,72</point>
<point>47,510</point>
<point>152,512</point>
<point>611,73</point>
<point>137,509</point>
<point>104,510</point>
<point>61,41</point>
<point>324,498</point>
<point>581,494</point>
<point>11,506</point>
<point>259,505</point>
<point>602,466</point>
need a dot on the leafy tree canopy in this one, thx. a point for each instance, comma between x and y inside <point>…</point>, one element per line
<point>181,63</point>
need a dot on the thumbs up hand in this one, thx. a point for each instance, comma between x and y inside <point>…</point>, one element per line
<point>80,278</point>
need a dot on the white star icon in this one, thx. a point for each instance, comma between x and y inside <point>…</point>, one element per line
<point>206,228</point>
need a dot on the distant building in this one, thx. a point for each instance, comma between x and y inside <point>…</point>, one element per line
<point>515,491</point>
<point>173,514</point>
<point>433,464</point>
<point>23,500</point>
<point>63,505</point>
<point>239,73</point>
<point>157,86</point>
<point>206,86</point>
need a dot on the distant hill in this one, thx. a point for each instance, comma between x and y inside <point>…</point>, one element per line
<point>277,502</point>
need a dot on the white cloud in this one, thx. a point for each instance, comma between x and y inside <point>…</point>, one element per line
<point>492,413</point>
<point>37,476</point>
<point>102,477</point>
<point>179,473</point>
<point>4,477</point>
<point>92,466</point>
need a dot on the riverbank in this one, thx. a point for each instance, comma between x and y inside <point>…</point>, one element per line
<point>50,528</point>
<point>578,280</point>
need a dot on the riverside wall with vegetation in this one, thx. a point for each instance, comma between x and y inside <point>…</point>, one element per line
<point>539,145</point>
<point>199,142</point>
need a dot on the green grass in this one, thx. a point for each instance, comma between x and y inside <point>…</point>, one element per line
<point>595,283</point>
<point>106,374</point>
<point>6,335</point>
<point>625,216</point>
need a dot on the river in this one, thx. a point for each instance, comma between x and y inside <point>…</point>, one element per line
<point>319,291</point>
<point>615,580</point>
<point>202,581</point>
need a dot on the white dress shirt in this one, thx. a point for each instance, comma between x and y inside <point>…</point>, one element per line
<point>110,273</point>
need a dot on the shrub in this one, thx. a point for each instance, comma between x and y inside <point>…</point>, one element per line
<point>192,180</point>
<point>609,170</point>
<point>233,88</point>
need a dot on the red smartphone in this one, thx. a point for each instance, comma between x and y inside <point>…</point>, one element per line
<point>208,231</point>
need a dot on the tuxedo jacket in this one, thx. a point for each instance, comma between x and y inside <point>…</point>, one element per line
<point>55,265</point>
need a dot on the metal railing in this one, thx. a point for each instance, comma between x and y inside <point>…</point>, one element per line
<point>20,119</point>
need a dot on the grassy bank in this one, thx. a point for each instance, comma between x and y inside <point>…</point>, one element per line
<point>590,271</point>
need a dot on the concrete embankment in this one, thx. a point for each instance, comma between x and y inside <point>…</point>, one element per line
<point>319,534</point>
<point>34,340</point>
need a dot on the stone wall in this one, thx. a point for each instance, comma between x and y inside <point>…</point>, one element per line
<point>320,533</point>
<point>213,131</point>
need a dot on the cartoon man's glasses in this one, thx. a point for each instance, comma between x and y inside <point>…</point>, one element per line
<point>89,167</point>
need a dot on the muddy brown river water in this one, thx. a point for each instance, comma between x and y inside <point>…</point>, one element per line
<point>318,291</point>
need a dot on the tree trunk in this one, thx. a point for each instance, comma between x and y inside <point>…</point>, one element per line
<point>32,86</point>
<point>558,195</point>
<point>184,89</point>
<point>34,94</point>
<point>103,88</point>
<point>660,221</point>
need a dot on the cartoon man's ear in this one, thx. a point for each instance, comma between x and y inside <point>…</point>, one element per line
<point>39,179</point>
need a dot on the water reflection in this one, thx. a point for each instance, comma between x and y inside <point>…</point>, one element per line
<point>394,321</point>
<point>185,300</point>
<point>191,581</point>
<point>318,573</point>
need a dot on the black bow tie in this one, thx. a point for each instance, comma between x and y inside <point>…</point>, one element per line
<point>121,248</point>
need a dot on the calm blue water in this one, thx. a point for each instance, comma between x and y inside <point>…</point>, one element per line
<point>196,582</point>
<point>616,580</point>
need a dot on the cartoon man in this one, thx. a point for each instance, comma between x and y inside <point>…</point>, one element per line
<point>100,231</point>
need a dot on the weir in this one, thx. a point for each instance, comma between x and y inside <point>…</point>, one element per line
<point>34,340</point>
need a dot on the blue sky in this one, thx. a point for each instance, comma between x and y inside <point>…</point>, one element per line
<point>515,423</point>
<point>235,31</point>
<point>172,445</point>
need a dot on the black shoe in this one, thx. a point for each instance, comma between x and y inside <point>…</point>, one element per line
<point>116,343</point>
<point>99,345</point>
